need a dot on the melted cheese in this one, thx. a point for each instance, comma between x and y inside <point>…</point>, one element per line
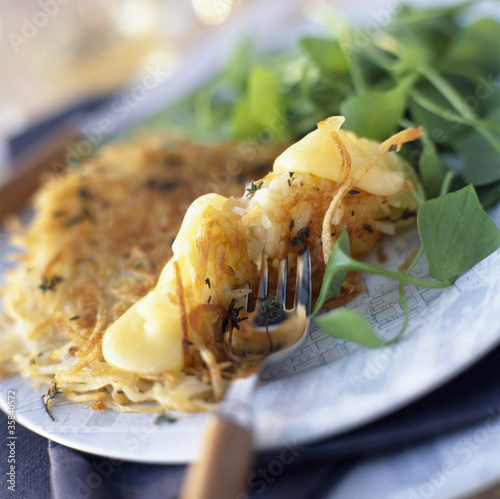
<point>147,338</point>
<point>317,153</point>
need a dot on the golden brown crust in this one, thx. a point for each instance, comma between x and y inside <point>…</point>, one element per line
<point>102,233</point>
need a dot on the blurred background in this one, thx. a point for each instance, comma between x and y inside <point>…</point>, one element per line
<point>55,53</point>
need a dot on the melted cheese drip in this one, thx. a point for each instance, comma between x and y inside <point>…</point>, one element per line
<point>147,339</point>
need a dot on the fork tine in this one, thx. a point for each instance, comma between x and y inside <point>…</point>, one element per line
<point>282,279</point>
<point>303,287</point>
<point>264,277</point>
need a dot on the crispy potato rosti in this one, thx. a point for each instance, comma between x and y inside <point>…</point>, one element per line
<point>110,313</point>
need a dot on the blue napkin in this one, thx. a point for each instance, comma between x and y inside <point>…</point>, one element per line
<point>47,469</point>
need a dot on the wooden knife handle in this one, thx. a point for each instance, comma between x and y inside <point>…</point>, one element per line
<point>224,466</point>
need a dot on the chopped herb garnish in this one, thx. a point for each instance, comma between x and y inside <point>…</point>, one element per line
<point>165,417</point>
<point>74,318</point>
<point>49,284</point>
<point>232,318</point>
<point>84,215</point>
<point>353,192</point>
<point>207,282</point>
<point>368,228</point>
<point>301,237</point>
<point>162,185</point>
<point>291,225</point>
<point>405,215</point>
<point>269,308</point>
<point>254,187</point>
<point>138,264</point>
<point>51,393</point>
<point>84,193</point>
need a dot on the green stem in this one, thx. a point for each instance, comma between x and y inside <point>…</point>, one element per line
<point>357,76</point>
<point>447,91</point>
<point>402,296</point>
<point>456,100</point>
<point>422,100</point>
<point>445,186</point>
<point>345,37</point>
<point>407,279</point>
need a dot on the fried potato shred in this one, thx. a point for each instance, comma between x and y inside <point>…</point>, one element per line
<point>101,238</point>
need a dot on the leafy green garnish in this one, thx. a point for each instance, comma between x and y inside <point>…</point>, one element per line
<point>349,325</point>
<point>435,67</point>
<point>431,67</point>
<point>449,229</point>
<point>455,233</point>
<point>254,187</point>
<point>326,54</point>
<point>50,284</point>
<point>377,113</point>
<point>339,263</point>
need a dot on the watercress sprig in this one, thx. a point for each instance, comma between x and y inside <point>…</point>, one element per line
<point>436,67</point>
<point>455,234</point>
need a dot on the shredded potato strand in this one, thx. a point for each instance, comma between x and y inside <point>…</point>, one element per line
<point>345,170</point>
<point>102,232</point>
<point>345,185</point>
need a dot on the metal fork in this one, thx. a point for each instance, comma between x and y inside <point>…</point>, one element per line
<point>226,457</point>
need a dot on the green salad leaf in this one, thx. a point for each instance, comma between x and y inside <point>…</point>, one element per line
<point>475,49</point>
<point>257,111</point>
<point>340,262</point>
<point>438,68</point>
<point>326,54</point>
<point>455,233</point>
<point>434,67</point>
<point>349,325</point>
<point>474,150</point>
<point>449,226</point>
<point>376,113</point>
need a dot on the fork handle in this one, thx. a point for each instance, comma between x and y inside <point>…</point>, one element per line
<point>224,465</point>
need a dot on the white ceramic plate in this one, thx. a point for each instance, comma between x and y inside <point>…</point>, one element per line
<point>330,386</point>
